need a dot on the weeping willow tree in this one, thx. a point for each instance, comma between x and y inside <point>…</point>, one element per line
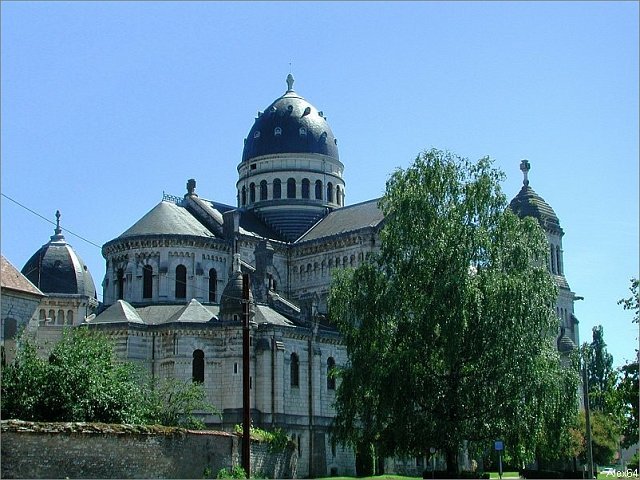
<point>450,329</point>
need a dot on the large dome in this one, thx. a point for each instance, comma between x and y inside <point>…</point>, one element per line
<point>57,269</point>
<point>290,125</point>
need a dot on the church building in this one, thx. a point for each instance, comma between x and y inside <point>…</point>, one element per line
<point>172,291</point>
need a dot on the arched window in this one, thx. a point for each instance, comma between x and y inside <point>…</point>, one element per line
<point>303,131</point>
<point>43,314</point>
<point>69,317</point>
<point>197,369</point>
<point>330,192</point>
<point>331,380</point>
<point>120,282</point>
<point>147,281</point>
<point>243,201</point>
<point>306,186</point>
<point>52,316</point>
<point>277,188</point>
<point>295,370</point>
<point>318,189</point>
<point>263,190</point>
<point>252,192</point>
<point>338,195</point>
<point>10,328</point>
<point>553,259</point>
<point>181,281</point>
<point>277,131</point>
<point>291,188</point>
<point>60,317</point>
<point>558,262</point>
<point>213,283</point>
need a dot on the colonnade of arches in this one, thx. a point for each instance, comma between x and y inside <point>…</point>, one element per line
<point>260,192</point>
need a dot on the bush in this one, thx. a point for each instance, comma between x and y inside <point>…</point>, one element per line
<point>234,472</point>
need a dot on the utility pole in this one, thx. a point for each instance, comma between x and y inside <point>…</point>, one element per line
<point>246,379</point>
<point>587,413</point>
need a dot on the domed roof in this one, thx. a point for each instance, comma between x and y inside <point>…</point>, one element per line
<point>290,125</point>
<point>231,299</point>
<point>57,269</point>
<point>564,343</point>
<point>527,203</point>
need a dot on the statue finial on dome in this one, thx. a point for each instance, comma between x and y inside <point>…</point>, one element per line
<point>290,81</point>
<point>525,166</point>
<point>58,231</point>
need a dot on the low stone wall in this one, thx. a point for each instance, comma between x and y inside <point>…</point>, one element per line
<point>89,450</point>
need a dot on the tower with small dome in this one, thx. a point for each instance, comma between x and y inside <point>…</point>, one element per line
<point>290,174</point>
<point>527,203</point>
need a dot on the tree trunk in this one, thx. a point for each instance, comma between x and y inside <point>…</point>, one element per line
<point>452,460</point>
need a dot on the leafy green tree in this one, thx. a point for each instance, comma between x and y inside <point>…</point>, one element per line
<point>602,376</point>
<point>627,387</point>
<point>82,381</point>
<point>450,329</point>
<point>174,402</point>
<point>604,437</point>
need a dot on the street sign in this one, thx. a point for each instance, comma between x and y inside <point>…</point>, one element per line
<point>499,445</point>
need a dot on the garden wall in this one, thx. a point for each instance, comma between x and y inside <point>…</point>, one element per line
<point>89,450</point>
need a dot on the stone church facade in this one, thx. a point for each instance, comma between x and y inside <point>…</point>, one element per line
<point>172,296</point>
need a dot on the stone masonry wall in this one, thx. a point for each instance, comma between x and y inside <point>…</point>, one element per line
<point>83,450</point>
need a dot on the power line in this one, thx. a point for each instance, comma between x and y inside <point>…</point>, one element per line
<point>51,222</point>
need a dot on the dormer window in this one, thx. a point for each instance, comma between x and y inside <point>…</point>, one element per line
<point>277,131</point>
<point>303,131</point>
<point>256,134</point>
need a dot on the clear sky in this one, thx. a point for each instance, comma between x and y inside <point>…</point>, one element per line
<point>105,105</point>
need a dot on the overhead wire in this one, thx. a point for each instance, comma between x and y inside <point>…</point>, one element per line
<point>169,276</point>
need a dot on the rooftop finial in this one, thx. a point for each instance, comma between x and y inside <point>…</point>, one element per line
<point>525,166</point>
<point>57,236</point>
<point>58,230</point>
<point>290,83</point>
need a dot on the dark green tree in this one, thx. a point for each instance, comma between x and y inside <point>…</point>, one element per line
<point>628,392</point>
<point>82,381</point>
<point>450,329</point>
<point>602,375</point>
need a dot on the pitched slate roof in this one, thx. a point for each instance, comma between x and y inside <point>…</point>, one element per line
<point>12,279</point>
<point>167,218</point>
<point>346,219</point>
<point>193,312</point>
<point>119,312</point>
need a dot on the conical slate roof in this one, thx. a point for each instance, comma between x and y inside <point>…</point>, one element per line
<point>167,218</point>
<point>57,269</point>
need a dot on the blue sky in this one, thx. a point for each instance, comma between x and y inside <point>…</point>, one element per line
<point>105,105</point>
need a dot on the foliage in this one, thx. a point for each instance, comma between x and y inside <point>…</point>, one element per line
<point>277,439</point>
<point>449,329</point>
<point>174,402</point>
<point>629,399</point>
<point>633,302</point>
<point>82,381</point>
<point>234,472</point>
<point>627,388</point>
<point>601,374</point>
<point>604,437</point>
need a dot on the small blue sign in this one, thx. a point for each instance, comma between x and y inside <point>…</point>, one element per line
<point>499,445</point>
